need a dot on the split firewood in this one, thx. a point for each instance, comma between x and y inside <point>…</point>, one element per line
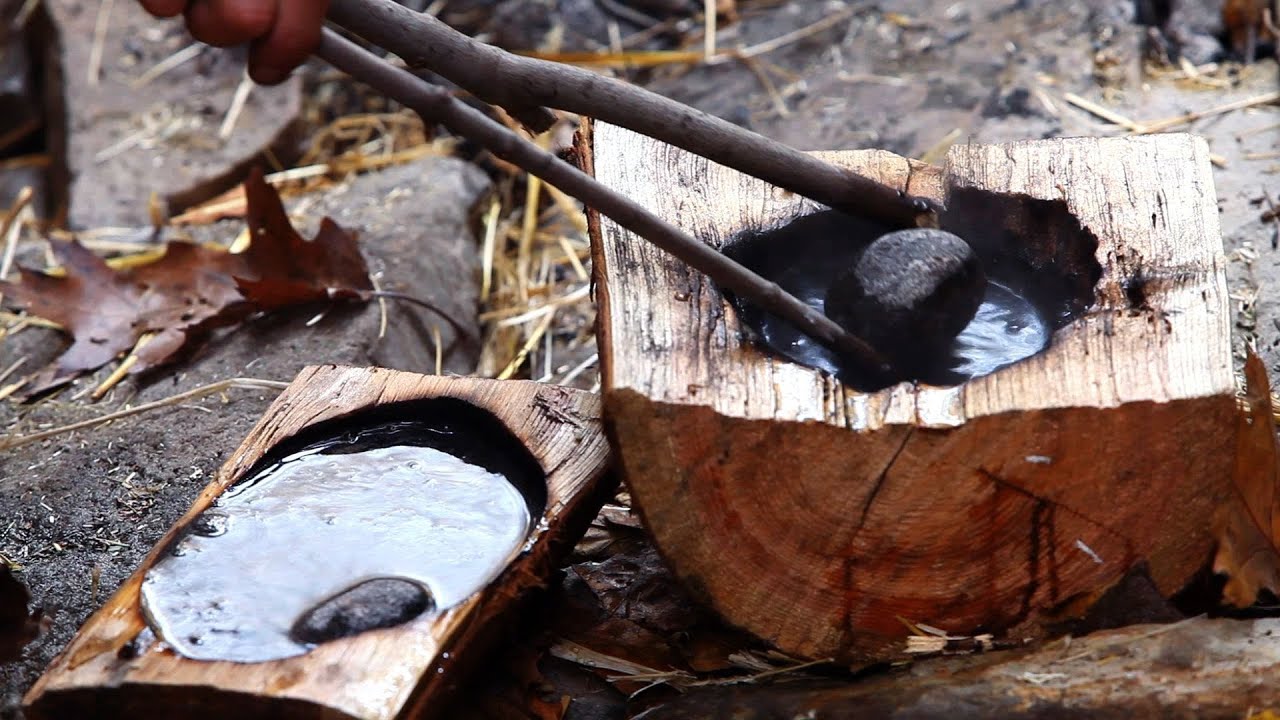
<point>1195,668</point>
<point>1006,504</point>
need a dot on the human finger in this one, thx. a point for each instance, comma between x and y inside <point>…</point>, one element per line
<point>164,8</point>
<point>230,22</point>
<point>292,38</point>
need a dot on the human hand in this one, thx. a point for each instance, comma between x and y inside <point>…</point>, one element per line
<point>282,33</point>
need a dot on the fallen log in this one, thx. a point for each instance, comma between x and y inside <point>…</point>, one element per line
<point>834,522</point>
<point>1199,668</point>
<point>408,513</point>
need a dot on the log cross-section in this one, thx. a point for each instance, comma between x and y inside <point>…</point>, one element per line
<point>110,671</point>
<point>829,521</point>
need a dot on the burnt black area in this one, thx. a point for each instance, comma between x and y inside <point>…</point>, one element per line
<point>1037,249</point>
<point>804,257</point>
<point>1135,292</point>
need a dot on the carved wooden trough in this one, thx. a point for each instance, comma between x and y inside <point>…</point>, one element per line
<point>833,522</point>
<point>415,510</point>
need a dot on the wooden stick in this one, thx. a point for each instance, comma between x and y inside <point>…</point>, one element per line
<point>1110,116</point>
<point>93,71</point>
<point>1189,117</point>
<point>10,229</point>
<point>436,104</point>
<point>709,33</point>
<point>511,81</point>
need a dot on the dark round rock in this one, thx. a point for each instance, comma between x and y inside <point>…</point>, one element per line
<point>909,294</point>
<point>373,604</point>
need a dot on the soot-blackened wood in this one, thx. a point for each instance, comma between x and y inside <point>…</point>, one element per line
<point>825,520</point>
<point>398,672</point>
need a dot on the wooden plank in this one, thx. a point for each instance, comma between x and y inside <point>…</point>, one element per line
<point>820,518</point>
<point>109,670</point>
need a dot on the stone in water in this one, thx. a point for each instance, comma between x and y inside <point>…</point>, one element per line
<point>909,294</point>
<point>371,605</point>
<point>336,539</point>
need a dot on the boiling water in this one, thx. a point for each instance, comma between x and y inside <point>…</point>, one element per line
<point>1007,328</point>
<point>274,549</point>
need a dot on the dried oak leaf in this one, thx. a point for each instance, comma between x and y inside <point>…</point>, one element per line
<point>17,626</point>
<point>283,269</point>
<point>189,291</point>
<point>1248,525</point>
<point>106,311</point>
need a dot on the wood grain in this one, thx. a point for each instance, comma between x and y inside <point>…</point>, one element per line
<point>821,518</point>
<point>399,672</point>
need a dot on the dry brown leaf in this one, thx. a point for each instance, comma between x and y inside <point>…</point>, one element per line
<point>190,290</point>
<point>106,311</point>
<point>285,269</point>
<point>17,626</point>
<point>193,292</point>
<point>634,609</point>
<point>1248,526</point>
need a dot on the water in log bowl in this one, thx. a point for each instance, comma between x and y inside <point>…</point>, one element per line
<point>830,520</point>
<point>351,560</point>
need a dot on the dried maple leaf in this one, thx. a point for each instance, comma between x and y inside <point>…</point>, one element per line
<point>17,626</point>
<point>190,290</point>
<point>91,301</point>
<point>285,269</point>
<point>1248,526</point>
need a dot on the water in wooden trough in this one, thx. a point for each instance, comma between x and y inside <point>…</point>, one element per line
<point>343,536</point>
<point>1007,328</point>
<point>1039,267</point>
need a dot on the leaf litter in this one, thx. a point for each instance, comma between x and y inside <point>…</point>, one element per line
<point>163,308</point>
<point>1248,526</point>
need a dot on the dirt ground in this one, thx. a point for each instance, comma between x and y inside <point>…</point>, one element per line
<point>79,512</point>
